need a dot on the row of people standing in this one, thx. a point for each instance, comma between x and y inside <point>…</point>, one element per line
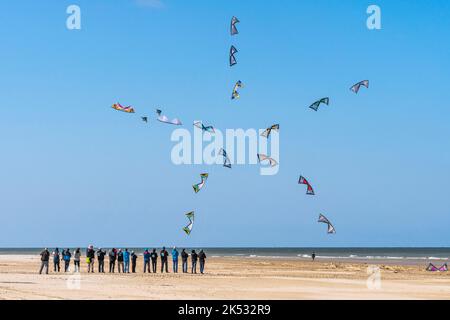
<point>123,258</point>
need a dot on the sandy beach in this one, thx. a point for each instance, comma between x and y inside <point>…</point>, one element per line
<point>227,278</point>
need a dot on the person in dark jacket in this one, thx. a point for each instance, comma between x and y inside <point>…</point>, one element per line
<point>164,257</point>
<point>77,259</point>
<point>313,256</point>
<point>66,257</point>
<point>194,257</point>
<point>56,259</point>
<point>112,259</point>
<point>154,257</point>
<point>45,256</point>
<point>184,260</point>
<point>133,261</point>
<point>90,258</point>
<point>202,258</point>
<point>146,261</point>
<point>101,260</point>
<point>120,261</point>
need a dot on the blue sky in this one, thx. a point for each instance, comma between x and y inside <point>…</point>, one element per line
<point>74,171</point>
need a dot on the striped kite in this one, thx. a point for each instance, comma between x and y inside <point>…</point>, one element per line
<point>323,219</point>
<point>235,93</point>
<point>316,104</point>
<point>309,189</point>
<point>188,228</point>
<point>117,106</point>
<point>355,88</point>
<point>197,187</point>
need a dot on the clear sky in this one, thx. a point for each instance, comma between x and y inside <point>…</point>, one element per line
<point>73,171</point>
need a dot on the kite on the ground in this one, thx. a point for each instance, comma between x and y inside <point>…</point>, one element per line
<point>263,157</point>
<point>309,189</point>
<point>201,126</point>
<point>432,267</point>
<point>164,119</point>
<point>188,228</point>
<point>323,219</point>
<point>233,61</point>
<point>145,119</point>
<point>267,132</point>
<point>226,160</point>
<point>197,187</point>
<point>117,106</point>
<point>235,93</point>
<point>233,29</point>
<point>316,104</point>
<point>355,88</point>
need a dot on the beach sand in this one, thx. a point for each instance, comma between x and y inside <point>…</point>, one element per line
<point>226,278</point>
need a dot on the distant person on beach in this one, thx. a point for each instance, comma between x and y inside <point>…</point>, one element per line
<point>112,260</point>
<point>313,256</point>
<point>164,264</point>
<point>126,261</point>
<point>146,261</point>
<point>77,259</point>
<point>184,260</point>
<point>56,259</point>
<point>45,256</point>
<point>202,258</point>
<point>154,257</point>
<point>133,261</point>
<point>175,259</point>
<point>120,260</point>
<point>66,257</point>
<point>194,257</point>
<point>90,258</point>
<point>101,260</point>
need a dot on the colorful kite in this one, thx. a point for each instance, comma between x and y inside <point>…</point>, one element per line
<point>197,187</point>
<point>165,119</point>
<point>309,189</point>
<point>233,61</point>
<point>188,228</point>
<point>117,106</point>
<point>235,94</point>
<point>226,160</point>
<point>145,119</point>
<point>267,132</point>
<point>432,267</point>
<point>233,29</point>
<point>200,125</point>
<point>355,88</point>
<point>263,157</point>
<point>323,219</point>
<point>316,104</point>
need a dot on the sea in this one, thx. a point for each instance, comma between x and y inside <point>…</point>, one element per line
<point>365,255</point>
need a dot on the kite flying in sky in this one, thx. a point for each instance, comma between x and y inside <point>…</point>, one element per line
<point>119,107</point>
<point>309,189</point>
<point>164,119</point>
<point>263,157</point>
<point>145,119</point>
<point>267,132</point>
<point>233,61</point>
<point>316,104</point>
<point>200,125</point>
<point>188,228</point>
<point>355,88</point>
<point>235,94</point>
<point>233,29</point>
<point>197,187</point>
<point>323,219</point>
<point>226,160</point>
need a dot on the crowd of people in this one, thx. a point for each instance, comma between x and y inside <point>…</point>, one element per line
<point>121,259</point>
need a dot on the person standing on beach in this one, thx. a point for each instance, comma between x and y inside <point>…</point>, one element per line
<point>120,260</point>
<point>164,264</point>
<point>313,256</point>
<point>45,256</point>
<point>154,257</point>
<point>133,261</point>
<point>76,260</point>
<point>146,261</point>
<point>101,260</point>
<point>184,260</point>
<point>112,259</point>
<point>202,258</point>
<point>66,257</point>
<point>175,259</point>
<point>194,258</point>
<point>90,257</point>
<point>56,259</point>
<point>126,260</point>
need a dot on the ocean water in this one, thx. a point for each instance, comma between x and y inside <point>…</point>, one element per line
<point>368,255</point>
